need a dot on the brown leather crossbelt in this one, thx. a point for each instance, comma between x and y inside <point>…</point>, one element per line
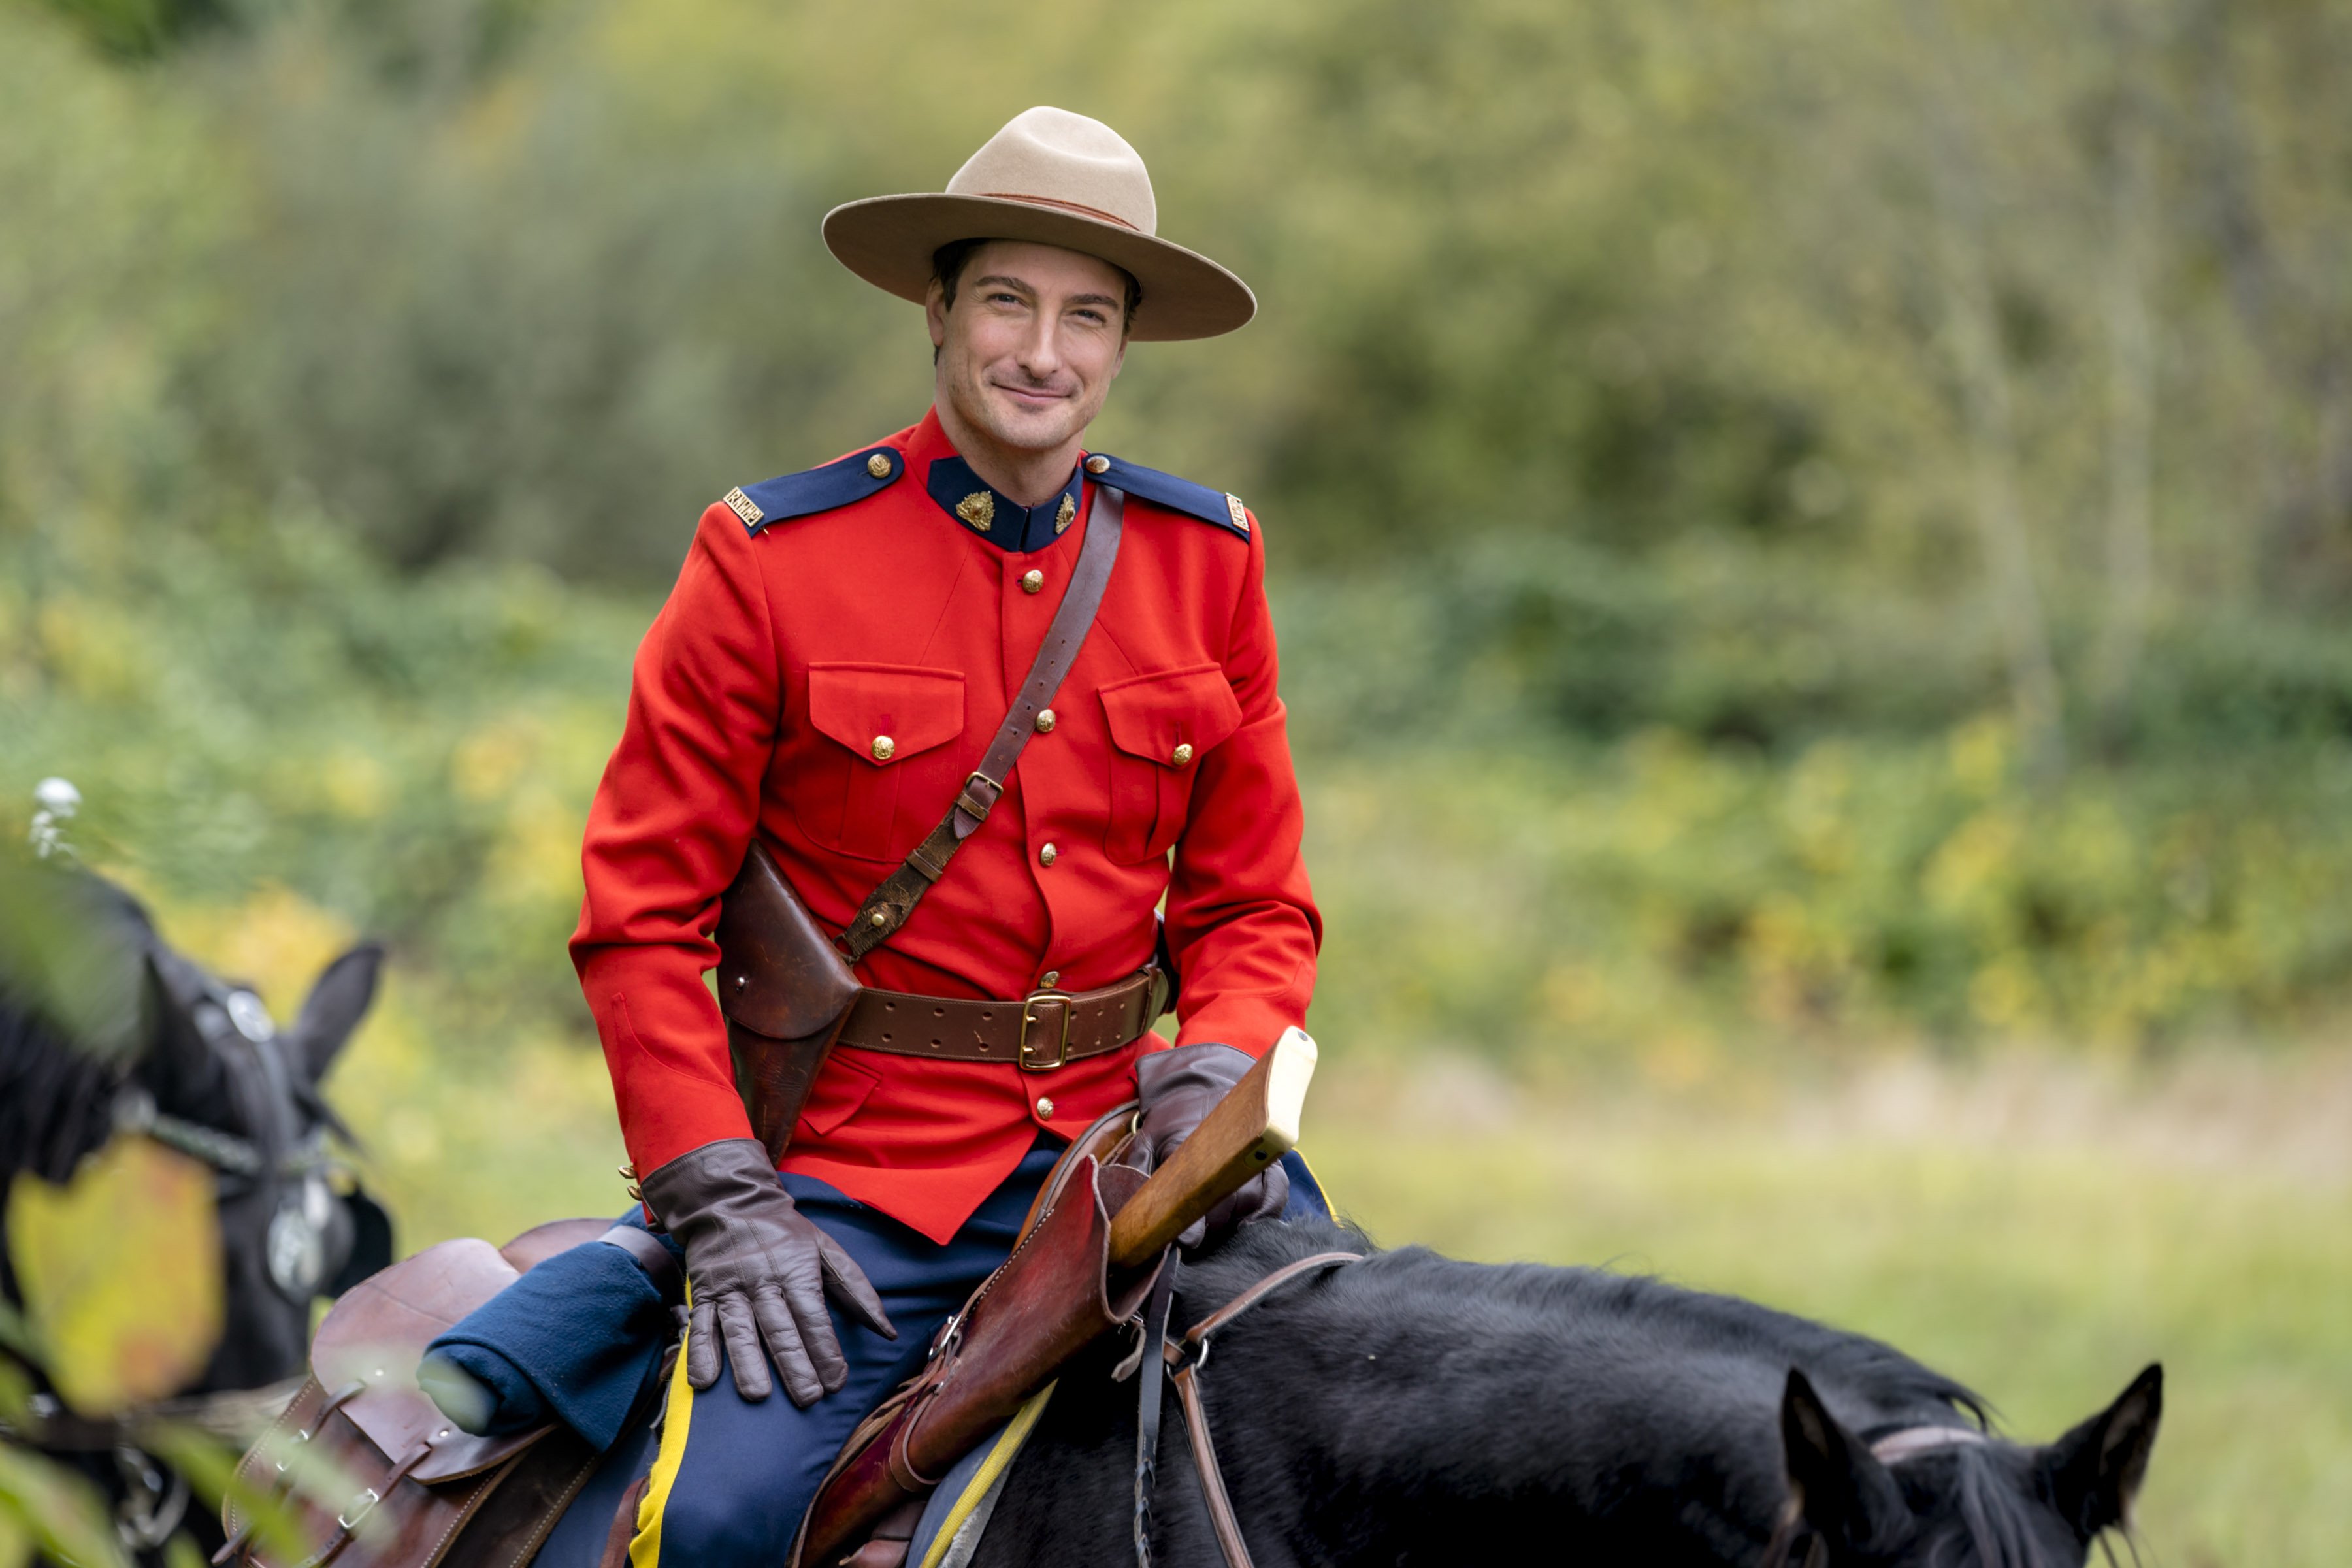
<point>1039,1032</point>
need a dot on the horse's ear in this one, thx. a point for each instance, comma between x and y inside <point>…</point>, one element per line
<point>334,1008</point>
<point>1837,1485</point>
<point>2096,1469</point>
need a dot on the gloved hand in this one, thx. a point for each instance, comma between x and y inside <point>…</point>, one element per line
<point>1178,1088</point>
<point>761,1270</point>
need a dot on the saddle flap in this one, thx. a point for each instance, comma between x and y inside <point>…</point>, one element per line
<point>376,1335</point>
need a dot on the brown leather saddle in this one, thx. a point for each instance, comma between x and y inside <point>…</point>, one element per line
<point>410,1490</point>
<point>370,1472</point>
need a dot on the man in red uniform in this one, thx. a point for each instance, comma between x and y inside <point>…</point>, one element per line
<point>840,647</point>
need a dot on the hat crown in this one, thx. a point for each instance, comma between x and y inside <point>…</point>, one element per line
<point>1057,159</point>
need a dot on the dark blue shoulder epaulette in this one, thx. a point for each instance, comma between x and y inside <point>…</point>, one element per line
<point>854,478</point>
<point>1175,494</point>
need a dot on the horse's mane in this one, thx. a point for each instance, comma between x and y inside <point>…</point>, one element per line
<point>56,1088</point>
<point>57,1103</point>
<point>1415,1277</point>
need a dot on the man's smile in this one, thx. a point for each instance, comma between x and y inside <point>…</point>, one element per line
<point>1030,397</point>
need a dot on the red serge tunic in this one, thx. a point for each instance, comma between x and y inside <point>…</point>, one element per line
<point>782,655</point>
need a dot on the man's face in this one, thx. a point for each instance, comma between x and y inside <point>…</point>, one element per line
<point>1036,337</point>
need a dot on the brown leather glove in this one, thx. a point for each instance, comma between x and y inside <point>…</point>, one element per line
<point>1178,1088</point>
<point>761,1270</point>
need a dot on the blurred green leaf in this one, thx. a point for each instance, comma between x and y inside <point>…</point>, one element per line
<point>120,1271</point>
<point>211,1469</point>
<point>60,1511</point>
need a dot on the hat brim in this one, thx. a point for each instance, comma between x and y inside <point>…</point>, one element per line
<point>888,241</point>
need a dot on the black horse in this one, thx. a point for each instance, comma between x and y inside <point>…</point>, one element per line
<point>1411,1409</point>
<point>104,1029</point>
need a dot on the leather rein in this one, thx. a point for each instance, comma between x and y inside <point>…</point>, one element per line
<point>1181,1362</point>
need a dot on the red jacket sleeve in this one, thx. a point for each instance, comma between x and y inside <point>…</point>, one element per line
<point>667,832</point>
<point>1242,922</point>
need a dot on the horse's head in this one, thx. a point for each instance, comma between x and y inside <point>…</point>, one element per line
<point>133,1036</point>
<point>1950,1495</point>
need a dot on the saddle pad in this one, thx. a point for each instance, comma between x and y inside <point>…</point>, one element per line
<point>957,1516</point>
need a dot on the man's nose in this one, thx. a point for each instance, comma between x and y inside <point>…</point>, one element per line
<point>1041,348</point>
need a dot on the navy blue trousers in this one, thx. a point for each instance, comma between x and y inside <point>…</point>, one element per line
<point>731,1478</point>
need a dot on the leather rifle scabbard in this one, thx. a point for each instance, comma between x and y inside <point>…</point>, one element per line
<point>785,988</point>
<point>1052,1298</point>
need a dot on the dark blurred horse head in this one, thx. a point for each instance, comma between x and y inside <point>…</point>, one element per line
<point>105,1029</point>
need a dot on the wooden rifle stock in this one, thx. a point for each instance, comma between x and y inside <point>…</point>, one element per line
<point>1256,1124</point>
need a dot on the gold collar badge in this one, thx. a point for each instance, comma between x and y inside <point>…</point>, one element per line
<point>978,509</point>
<point>1063,518</point>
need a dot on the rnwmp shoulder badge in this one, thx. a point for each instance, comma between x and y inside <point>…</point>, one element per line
<point>744,507</point>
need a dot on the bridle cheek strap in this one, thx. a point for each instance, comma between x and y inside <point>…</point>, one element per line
<point>1912,1441</point>
<point>1183,1361</point>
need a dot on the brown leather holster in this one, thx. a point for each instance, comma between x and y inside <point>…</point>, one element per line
<point>1047,1301</point>
<point>786,989</point>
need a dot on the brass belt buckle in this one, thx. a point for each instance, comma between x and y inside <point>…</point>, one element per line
<point>1029,1057</point>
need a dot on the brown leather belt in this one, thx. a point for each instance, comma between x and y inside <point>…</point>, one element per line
<point>1039,1033</point>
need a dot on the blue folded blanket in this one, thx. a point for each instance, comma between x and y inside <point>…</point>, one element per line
<point>577,1340</point>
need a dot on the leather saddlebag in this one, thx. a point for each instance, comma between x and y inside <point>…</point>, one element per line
<point>423,1494</point>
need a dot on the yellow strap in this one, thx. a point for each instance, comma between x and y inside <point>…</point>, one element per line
<point>678,1413</point>
<point>1000,1457</point>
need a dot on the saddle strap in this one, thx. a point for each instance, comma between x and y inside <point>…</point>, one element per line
<point>1183,1361</point>
<point>886,907</point>
<point>1147,1422</point>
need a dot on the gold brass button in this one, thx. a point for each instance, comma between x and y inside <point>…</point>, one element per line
<point>1181,755</point>
<point>1031,580</point>
<point>1052,977</point>
<point>879,466</point>
<point>1044,1109</point>
<point>1097,464</point>
<point>881,919</point>
<point>883,746</point>
<point>1048,855</point>
<point>1044,721</point>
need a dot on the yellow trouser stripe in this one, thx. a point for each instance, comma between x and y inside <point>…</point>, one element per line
<point>1016,1432</point>
<point>677,1414</point>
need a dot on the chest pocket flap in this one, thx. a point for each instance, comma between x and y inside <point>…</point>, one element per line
<point>862,705</point>
<point>1151,715</point>
<point>1160,727</point>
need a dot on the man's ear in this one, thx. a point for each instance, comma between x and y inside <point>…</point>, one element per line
<point>2095,1471</point>
<point>935,312</point>
<point>338,1001</point>
<point>1838,1487</point>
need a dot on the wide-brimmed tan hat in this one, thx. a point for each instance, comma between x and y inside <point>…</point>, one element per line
<point>1056,178</point>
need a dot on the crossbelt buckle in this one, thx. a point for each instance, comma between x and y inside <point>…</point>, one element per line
<point>1053,1009</point>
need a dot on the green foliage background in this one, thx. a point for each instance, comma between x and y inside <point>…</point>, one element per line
<point>1797,530</point>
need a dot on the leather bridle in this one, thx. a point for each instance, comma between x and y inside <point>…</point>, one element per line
<point>271,1095</point>
<point>1181,1362</point>
<point>1913,1441</point>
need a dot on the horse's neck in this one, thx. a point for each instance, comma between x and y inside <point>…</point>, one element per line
<point>1446,1416</point>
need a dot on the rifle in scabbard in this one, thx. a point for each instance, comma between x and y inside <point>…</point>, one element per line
<point>1085,1267</point>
